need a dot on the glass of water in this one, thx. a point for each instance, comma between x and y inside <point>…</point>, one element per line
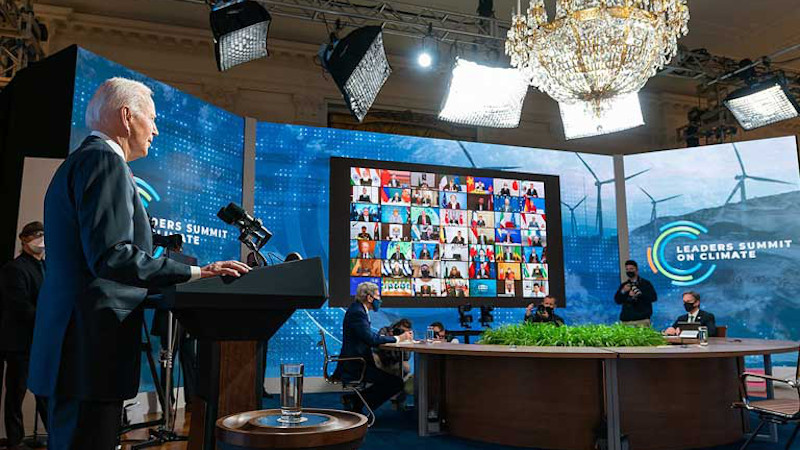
<point>429,335</point>
<point>291,393</point>
<point>702,335</point>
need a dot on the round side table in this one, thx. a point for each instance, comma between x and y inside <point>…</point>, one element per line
<point>325,429</point>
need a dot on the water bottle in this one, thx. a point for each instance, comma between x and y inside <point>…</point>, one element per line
<point>429,335</point>
<point>702,335</point>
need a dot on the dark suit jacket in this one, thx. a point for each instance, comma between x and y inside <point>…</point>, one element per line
<point>705,318</point>
<point>87,339</point>
<point>21,280</point>
<point>358,341</point>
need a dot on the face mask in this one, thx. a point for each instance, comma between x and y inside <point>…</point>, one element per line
<point>689,307</point>
<point>376,304</point>
<point>630,274</point>
<point>36,245</point>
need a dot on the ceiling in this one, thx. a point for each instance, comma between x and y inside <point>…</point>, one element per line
<point>733,28</point>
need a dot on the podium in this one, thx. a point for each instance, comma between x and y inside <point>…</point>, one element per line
<point>230,317</point>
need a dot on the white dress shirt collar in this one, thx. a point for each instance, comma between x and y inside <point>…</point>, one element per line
<point>111,143</point>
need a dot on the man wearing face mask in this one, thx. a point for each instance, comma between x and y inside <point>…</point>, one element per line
<point>544,313</point>
<point>358,341</point>
<point>691,303</point>
<point>636,295</point>
<point>21,280</point>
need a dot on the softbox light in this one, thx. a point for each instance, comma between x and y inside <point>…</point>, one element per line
<point>762,104</point>
<point>359,68</point>
<point>484,96</point>
<point>240,33</point>
<point>580,119</point>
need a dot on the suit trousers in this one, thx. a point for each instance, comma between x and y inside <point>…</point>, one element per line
<point>83,424</point>
<point>16,387</point>
<point>383,386</point>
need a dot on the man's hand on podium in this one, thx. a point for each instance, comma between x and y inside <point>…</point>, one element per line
<point>229,268</point>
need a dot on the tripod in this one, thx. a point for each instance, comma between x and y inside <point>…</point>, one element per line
<point>165,426</point>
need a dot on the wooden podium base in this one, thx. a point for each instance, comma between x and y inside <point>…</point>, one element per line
<point>230,381</point>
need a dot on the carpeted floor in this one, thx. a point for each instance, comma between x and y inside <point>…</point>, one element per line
<point>398,430</point>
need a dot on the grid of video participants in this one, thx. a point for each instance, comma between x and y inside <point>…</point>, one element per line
<point>420,234</point>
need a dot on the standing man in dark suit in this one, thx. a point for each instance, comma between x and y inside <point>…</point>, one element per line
<point>87,339</point>
<point>21,280</point>
<point>359,340</point>
<point>691,303</point>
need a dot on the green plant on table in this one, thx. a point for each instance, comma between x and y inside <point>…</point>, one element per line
<point>547,335</point>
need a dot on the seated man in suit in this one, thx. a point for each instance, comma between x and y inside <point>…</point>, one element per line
<point>691,303</point>
<point>358,342</point>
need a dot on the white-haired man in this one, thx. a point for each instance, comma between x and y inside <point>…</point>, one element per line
<point>358,341</point>
<point>86,345</point>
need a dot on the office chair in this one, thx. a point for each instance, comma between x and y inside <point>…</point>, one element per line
<point>354,386</point>
<point>777,411</point>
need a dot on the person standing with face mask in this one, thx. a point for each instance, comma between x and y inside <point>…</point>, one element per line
<point>358,341</point>
<point>21,280</point>
<point>636,295</point>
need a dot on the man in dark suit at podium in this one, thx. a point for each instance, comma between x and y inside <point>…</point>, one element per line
<point>87,338</point>
<point>359,340</point>
<point>691,303</point>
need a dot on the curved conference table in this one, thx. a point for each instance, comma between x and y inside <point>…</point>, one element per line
<point>667,397</point>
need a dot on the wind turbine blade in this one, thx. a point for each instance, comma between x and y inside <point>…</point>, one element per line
<point>768,180</point>
<point>739,158</point>
<point>469,157</point>
<point>738,186</point>
<point>579,203</point>
<point>647,194</point>
<point>564,203</point>
<point>636,174</point>
<point>668,198</point>
<point>587,167</point>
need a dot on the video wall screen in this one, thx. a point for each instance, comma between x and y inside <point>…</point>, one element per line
<point>439,236</point>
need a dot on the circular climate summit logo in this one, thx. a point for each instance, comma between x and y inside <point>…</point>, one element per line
<point>659,263</point>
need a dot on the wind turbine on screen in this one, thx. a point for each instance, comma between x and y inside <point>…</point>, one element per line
<point>741,180</point>
<point>654,203</point>
<point>598,183</point>
<point>472,161</point>
<point>572,222</point>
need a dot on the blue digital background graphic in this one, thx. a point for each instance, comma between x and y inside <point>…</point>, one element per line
<point>754,297</point>
<point>195,166</point>
<point>291,196</point>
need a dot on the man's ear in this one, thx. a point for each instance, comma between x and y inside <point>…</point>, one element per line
<point>126,115</point>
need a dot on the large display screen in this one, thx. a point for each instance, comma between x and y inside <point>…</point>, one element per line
<point>431,235</point>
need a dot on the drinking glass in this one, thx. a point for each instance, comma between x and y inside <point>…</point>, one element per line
<point>291,393</point>
<point>702,335</point>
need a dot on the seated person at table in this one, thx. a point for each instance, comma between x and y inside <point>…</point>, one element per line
<point>544,313</point>
<point>359,339</point>
<point>691,302</point>
<point>390,360</point>
<point>440,333</point>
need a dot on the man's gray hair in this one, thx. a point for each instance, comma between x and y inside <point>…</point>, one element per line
<point>364,289</point>
<point>114,94</point>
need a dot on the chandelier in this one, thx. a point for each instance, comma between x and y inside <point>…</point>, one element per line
<point>595,51</point>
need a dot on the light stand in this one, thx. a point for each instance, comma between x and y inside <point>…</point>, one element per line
<point>166,430</point>
<point>463,318</point>
<point>486,318</point>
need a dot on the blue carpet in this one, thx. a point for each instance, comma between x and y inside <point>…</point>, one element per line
<point>398,429</point>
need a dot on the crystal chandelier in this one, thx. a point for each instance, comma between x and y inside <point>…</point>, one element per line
<point>595,50</point>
